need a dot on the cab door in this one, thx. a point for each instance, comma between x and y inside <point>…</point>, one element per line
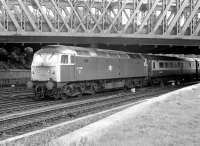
<point>67,68</point>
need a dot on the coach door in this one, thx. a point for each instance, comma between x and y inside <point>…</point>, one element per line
<point>150,63</point>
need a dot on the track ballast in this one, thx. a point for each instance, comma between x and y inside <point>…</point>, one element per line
<point>45,113</point>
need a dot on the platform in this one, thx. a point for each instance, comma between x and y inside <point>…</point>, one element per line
<point>170,119</point>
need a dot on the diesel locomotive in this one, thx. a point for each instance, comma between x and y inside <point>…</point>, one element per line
<point>61,71</point>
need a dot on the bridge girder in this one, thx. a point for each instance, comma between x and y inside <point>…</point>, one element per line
<point>118,19</point>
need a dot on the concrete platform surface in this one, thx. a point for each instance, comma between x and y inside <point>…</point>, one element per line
<point>172,119</point>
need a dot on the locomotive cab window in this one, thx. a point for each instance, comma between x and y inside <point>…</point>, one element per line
<point>64,59</point>
<point>45,59</point>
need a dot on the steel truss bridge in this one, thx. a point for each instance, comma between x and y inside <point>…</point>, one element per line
<point>154,22</point>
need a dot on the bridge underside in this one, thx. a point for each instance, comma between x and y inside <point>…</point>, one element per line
<point>107,39</point>
<point>111,22</point>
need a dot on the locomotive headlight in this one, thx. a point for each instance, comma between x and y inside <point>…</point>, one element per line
<point>49,85</point>
<point>29,85</point>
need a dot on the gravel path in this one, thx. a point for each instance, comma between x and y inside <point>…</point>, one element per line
<point>172,119</point>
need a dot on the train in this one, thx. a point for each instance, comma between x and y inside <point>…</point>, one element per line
<point>60,71</point>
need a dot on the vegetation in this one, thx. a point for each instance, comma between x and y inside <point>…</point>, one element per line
<point>16,58</point>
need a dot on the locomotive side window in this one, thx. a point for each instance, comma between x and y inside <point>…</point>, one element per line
<point>72,59</point>
<point>64,59</point>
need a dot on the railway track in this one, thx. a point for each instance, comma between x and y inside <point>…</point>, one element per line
<point>17,123</point>
<point>8,106</point>
<point>17,104</point>
<point>12,93</point>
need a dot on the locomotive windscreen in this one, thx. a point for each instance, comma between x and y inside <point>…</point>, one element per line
<point>45,59</point>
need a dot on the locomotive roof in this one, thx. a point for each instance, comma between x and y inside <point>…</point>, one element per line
<point>55,49</point>
<point>81,51</point>
<point>87,51</point>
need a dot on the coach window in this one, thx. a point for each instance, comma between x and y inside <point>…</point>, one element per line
<point>175,64</point>
<point>161,65</point>
<point>171,65</point>
<point>154,65</point>
<point>166,64</point>
<point>179,65</point>
<point>64,59</point>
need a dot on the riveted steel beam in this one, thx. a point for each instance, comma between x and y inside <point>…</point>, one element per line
<point>44,15</point>
<point>12,17</point>
<point>77,15</point>
<point>97,4</point>
<point>93,17</point>
<point>102,15</point>
<point>196,32</point>
<point>89,12</point>
<point>28,15</point>
<point>111,20</point>
<point>61,16</point>
<point>148,15</point>
<point>117,16</point>
<point>162,15</point>
<point>2,28</point>
<point>132,16</point>
<point>165,18</point>
<point>126,15</point>
<point>176,17</point>
<point>189,20</point>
